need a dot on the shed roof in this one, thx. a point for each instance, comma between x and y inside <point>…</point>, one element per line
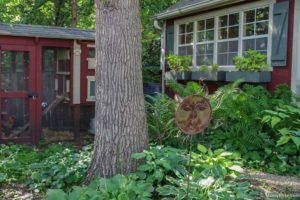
<point>185,7</point>
<point>46,31</point>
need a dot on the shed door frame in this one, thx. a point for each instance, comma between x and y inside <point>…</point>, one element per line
<point>30,95</point>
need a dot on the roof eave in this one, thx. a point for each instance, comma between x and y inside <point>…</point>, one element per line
<point>193,8</point>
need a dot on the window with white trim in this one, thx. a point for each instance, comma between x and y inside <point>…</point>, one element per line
<point>205,42</point>
<point>90,88</point>
<point>221,37</point>
<point>256,30</point>
<point>186,39</point>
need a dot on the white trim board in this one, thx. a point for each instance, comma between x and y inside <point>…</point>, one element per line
<point>295,82</point>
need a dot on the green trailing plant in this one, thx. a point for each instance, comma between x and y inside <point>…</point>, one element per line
<point>179,63</point>
<point>203,68</point>
<point>214,68</point>
<point>191,88</point>
<point>253,61</point>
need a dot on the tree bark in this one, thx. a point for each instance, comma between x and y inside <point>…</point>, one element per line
<point>74,13</point>
<point>121,127</point>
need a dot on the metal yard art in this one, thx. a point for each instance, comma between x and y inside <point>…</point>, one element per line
<point>192,117</point>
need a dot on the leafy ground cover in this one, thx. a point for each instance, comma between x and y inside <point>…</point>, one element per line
<point>252,129</point>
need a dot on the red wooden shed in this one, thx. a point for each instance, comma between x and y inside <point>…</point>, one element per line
<point>46,80</point>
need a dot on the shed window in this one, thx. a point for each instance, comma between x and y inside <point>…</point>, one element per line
<point>221,37</point>
<point>90,88</point>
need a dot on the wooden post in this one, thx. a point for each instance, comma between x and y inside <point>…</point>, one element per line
<point>76,118</point>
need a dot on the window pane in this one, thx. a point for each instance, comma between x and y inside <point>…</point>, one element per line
<point>210,48</point>
<point>201,36</point>
<point>262,14</point>
<point>248,44</point>
<point>190,27</point>
<point>233,46</point>
<point>200,49</point>
<point>223,33</point>
<point>222,47</point>
<point>210,23</point>
<point>92,88</point>
<point>262,28</point>
<point>249,30</point>
<point>223,21</point>
<point>231,58</point>
<point>222,59</point>
<point>210,35</point>
<point>249,16</point>
<point>233,32</point>
<point>201,25</point>
<point>189,38</point>
<point>91,52</point>
<point>233,19</point>
<point>187,50</point>
<point>261,44</point>
<point>182,28</point>
<point>181,39</point>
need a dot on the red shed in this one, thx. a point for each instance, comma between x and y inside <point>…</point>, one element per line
<point>46,80</point>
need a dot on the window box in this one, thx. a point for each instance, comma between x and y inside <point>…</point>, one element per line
<point>249,77</point>
<point>178,75</point>
<point>208,76</point>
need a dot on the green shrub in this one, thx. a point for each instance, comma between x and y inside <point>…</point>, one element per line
<point>252,61</point>
<point>179,63</point>
<point>214,68</point>
<point>203,68</point>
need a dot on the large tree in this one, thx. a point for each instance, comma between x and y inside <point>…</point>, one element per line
<point>121,128</point>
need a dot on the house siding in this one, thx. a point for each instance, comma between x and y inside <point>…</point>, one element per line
<point>283,75</point>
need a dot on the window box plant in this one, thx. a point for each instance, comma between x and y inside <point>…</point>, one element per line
<point>210,75</point>
<point>179,66</point>
<point>251,68</point>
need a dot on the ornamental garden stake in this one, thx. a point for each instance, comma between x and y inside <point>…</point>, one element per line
<point>192,117</point>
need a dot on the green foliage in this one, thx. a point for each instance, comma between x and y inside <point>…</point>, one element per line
<point>56,167</point>
<point>203,68</point>
<point>151,74</point>
<point>179,63</point>
<point>253,61</point>
<point>118,187</point>
<point>47,12</point>
<point>191,88</point>
<point>161,124</point>
<point>151,36</point>
<point>61,169</point>
<point>214,68</point>
<point>285,121</point>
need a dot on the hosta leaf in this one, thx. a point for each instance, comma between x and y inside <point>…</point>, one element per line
<point>296,140</point>
<point>167,190</point>
<point>236,168</point>
<point>275,121</point>
<point>138,156</point>
<point>56,194</point>
<point>202,148</point>
<point>283,140</point>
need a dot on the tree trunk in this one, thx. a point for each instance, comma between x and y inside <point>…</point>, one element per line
<point>74,13</point>
<point>121,127</point>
